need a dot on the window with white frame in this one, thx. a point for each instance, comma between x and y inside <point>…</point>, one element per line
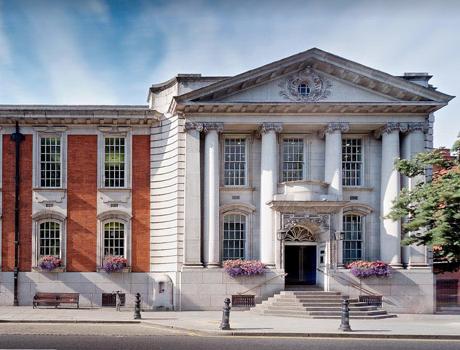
<point>293,159</point>
<point>353,240</point>
<point>49,240</point>
<point>234,240</point>
<point>235,161</point>
<point>114,162</point>
<point>352,162</point>
<point>50,161</point>
<point>114,239</point>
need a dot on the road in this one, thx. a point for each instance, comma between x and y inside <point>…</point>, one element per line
<point>138,337</point>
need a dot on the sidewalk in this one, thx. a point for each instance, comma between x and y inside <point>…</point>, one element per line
<point>244,323</point>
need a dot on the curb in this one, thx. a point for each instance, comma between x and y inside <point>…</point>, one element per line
<point>72,321</point>
<point>350,335</point>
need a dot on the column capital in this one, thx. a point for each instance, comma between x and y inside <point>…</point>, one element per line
<point>417,126</point>
<point>207,127</point>
<point>198,126</point>
<point>339,126</point>
<point>391,127</point>
<point>266,127</point>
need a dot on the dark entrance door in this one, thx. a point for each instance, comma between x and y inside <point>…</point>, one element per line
<point>300,264</point>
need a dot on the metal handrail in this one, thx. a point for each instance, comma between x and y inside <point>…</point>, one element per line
<point>350,283</point>
<point>261,284</point>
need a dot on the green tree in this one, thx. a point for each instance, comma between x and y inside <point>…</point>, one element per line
<point>430,211</point>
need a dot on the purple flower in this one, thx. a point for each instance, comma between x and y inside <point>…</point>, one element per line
<point>49,263</point>
<point>241,267</point>
<point>114,263</point>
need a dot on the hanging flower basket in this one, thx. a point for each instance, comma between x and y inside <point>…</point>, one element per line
<point>50,263</point>
<point>240,267</point>
<point>365,269</point>
<point>114,264</point>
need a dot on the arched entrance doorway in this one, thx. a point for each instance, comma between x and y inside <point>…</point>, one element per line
<point>300,256</point>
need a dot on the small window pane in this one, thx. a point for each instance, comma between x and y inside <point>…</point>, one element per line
<point>114,162</point>
<point>352,243</point>
<point>50,239</point>
<point>293,159</point>
<point>235,162</point>
<point>114,239</point>
<point>234,237</point>
<point>352,162</point>
<point>50,162</point>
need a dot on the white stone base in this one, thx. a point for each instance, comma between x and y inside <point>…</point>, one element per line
<point>90,286</point>
<point>406,291</point>
<point>206,289</point>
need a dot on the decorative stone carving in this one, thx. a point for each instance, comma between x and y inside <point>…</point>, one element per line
<point>391,127</point>
<point>266,127</point>
<point>420,126</point>
<point>305,86</point>
<point>219,127</point>
<point>333,127</point>
<point>300,234</point>
<point>193,126</point>
<point>315,222</point>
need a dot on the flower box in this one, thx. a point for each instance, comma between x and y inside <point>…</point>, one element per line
<point>113,264</point>
<point>49,263</point>
<point>55,270</point>
<point>366,269</point>
<point>241,267</point>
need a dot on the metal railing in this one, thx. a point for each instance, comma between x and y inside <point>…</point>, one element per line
<point>264,282</point>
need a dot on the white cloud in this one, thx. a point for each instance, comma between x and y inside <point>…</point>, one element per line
<point>70,77</point>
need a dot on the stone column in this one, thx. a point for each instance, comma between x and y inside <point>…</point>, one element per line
<point>333,158</point>
<point>390,231</point>
<point>417,255</point>
<point>268,188</point>
<point>333,174</point>
<point>211,194</point>
<point>192,239</point>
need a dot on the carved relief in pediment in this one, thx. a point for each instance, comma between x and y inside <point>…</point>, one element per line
<point>305,86</point>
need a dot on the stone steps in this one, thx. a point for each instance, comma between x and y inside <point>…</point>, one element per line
<point>315,304</point>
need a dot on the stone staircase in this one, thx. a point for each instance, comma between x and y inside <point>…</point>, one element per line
<point>316,304</point>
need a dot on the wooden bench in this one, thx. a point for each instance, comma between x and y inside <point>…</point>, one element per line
<point>55,299</point>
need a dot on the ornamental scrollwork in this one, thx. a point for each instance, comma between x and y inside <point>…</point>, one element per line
<point>305,86</point>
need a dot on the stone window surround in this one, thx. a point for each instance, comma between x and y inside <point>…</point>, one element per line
<point>249,140</point>
<point>364,211</point>
<point>306,155</point>
<point>114,131</point>
<point>105,218</point>
<point>38,134</point>
<point>365,160</point>
<point>44,217</point>
<point>239,209</point>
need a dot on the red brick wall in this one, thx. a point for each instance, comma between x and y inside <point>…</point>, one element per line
<point>81,202</point>
<point>141,204</point>
<point>8,189</point>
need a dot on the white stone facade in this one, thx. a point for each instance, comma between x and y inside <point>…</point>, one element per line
<point>321,100</point>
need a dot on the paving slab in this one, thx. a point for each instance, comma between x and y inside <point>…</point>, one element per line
<point>246,323</point>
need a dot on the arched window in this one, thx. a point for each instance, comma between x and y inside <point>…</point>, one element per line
<point>114,242</point>
<point>353,240</point>
<point>49,242</point>
<point>234,240</point>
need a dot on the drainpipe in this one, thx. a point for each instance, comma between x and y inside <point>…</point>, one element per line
<point>17,137</point>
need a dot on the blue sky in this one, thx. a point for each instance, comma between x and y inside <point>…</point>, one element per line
<point>110,52</point>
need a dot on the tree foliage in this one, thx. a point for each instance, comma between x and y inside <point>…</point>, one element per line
<point>430,211</point>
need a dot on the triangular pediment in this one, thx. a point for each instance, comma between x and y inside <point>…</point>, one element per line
<point>307,85</point>
<point>314,76</point>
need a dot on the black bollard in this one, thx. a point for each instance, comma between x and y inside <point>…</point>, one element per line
<point>137,307</point>
<point>225,325</point>
<point>345,320</point>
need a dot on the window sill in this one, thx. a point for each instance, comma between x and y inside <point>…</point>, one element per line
<point>56,270</point>
<point>237,189</point>
<point>125,269</point>
<point>114,189</point>
<point>358,188</point>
